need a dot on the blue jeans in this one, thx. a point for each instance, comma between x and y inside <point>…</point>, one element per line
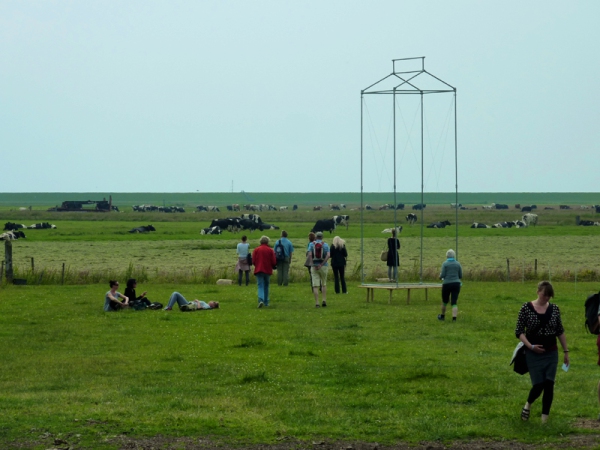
<point>263,280</point>
<point>176,297</point>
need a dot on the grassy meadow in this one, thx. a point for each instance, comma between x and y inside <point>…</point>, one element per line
<point>374,372</point>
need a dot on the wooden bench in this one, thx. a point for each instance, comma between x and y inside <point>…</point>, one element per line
<point>394,287</point>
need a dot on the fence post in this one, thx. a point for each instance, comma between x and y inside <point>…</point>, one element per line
<point>1,272</point>
<point>508,269</point>
<point>535,270</point>
<point>8,261</point>
<point>62,278</point>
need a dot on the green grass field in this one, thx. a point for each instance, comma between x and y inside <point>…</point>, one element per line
<point>369,372</point>
<point>353,371</point>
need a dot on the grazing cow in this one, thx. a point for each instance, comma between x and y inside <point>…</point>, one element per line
<point>584,207</point>
<point>333,207</point>
<point>324,225</point>
<point>247,224</point>
<point>597,207</point>
<point>411,218</point>
<point>530,219</point>
<point>443,224</point>
<point>342,220</point>
<point>501,206</point>
<point>42,226</point>
<point>368,207</point>
<point>518,206</point>
<point>201,208</point>
<point>317,208</point>
<point>211,230</point>
<point>343,205</point>
<point>234,207</point>
<point>10,226</point>
<point>384,207</point>
<point>526,209</point>
<point>480,225</point>
<point>267,226</point>
<point>213,209</point>
<point>294,208</point>
<point>12,235</point>
<point>400,206</point>
<point>389,230</point>
<point>455,205</point>
<point>419,206</point>
<point>564,207</point>
<point>253,217</point>
<point>283,208</point>
<point>143,229</point>
<point>231,224</point>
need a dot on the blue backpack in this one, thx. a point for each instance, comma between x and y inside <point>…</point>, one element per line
<point>279,251</point>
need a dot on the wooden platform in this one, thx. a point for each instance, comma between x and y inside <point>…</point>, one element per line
<point>394,287</point>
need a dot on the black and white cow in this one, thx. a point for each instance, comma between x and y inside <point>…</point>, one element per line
<point>368,207</point>
<point>42,226</point>
<point>411,218</point>
<point>503,225</point>
<point>324,225</point>
<point>317,208</point>
<point>342,220</point>
<point>343,205</point>
<point>455,205</point>
<point>564,207</point>
<point>442,224</point>
<point>234,207</point>
<point>267,226</point>
<point>201,208</point>
<point>586,223</point>
<point>419,206</point>
<point>333,207</point>
<point>9,226</point>
<point>480,225</point>
<point>211,230</point>
<point>389,230</point>
<point>400,206</point>
<point>519,224</point>
<point>530,219</point>
<point>253,217</point>
<point>283,208</point>
<point>12,235</point>
<point>231,224</point>
<point>247,224</point>
<point>143,229</point>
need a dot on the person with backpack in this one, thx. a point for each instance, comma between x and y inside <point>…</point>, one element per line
<point>320,255</point>
<point>338,263</point>
<point>538,326</point>
<point>264,261</point>
<point>283,254</point>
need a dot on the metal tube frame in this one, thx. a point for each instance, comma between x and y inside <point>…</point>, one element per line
<point>407,86</point>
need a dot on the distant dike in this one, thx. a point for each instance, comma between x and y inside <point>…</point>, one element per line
<point>301,198</point>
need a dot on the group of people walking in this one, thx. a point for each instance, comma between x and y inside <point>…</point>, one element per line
<point>266,259</point>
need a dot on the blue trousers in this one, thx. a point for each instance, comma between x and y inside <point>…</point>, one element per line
<point>176,297</point>
<point>263,280</point>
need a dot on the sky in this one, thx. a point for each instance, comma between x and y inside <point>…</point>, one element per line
<point>265,96</point>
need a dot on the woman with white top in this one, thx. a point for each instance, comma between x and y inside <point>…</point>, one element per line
<point>243,249</point>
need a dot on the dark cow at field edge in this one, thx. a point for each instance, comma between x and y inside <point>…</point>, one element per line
<point>143,229</point>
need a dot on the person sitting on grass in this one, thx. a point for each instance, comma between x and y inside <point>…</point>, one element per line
<point>130,292</point>
<point>184,305</point>
<point>111,299</point>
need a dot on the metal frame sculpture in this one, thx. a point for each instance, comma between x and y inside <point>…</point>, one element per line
<point>397,83</point>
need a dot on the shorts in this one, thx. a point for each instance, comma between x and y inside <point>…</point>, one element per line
<point>598,345</point>
<point>319,276</point>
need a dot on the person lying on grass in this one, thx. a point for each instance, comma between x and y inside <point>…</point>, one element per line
<point>111,299</point>
<point>184,305</point>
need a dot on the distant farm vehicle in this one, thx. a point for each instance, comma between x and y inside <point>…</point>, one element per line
<point>78,206</point>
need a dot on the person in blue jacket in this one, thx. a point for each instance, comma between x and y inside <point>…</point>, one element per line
<point>451,275</point>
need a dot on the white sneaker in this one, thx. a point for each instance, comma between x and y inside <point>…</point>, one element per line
<point>261,304</point>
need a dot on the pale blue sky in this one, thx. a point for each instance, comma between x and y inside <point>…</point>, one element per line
<point>180,96</point>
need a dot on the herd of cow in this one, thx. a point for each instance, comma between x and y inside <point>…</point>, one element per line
<point>13,230</point>
<point>253,222</point>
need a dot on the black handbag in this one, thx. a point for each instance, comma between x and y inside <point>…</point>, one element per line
<point>519,360</point>
<point>249,259</point>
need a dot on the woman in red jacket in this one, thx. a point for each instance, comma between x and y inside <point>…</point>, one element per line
<point>264,260</point>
